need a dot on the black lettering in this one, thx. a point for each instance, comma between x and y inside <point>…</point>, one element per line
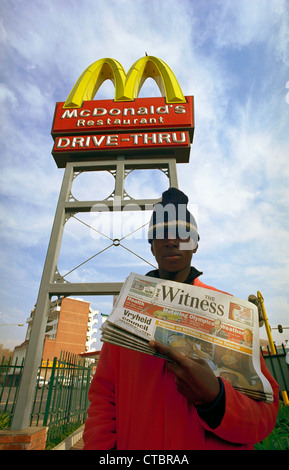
<point>220,310</point>
<point>204,304</point>
<point>170,293</point>
<point>186,299</point>
<point>195,302</point>
<point>212,307</point>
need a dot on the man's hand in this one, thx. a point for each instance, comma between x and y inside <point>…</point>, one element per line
<point>194,378</point>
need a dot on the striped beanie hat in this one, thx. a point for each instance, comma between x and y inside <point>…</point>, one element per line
<point>171,216</point>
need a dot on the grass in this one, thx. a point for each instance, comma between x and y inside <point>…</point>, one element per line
<point>5,419</point>
<point>279,437</point>
<point>71,427</point>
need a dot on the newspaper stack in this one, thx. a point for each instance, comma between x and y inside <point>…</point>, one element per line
<point>202,323</point>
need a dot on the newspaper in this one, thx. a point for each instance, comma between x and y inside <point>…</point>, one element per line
<point>202,323</point>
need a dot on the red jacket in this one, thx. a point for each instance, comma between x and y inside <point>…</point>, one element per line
<point>135,405</point>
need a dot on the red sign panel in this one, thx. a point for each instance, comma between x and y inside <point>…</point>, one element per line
<point>106,127</point>
<point>108,115</point>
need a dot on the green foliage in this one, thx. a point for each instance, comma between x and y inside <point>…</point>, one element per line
<point>70,429</point>
<point>5,419</point>
<point>279,437</point>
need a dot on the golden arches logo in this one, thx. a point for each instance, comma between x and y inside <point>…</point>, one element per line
<point>127,86</point>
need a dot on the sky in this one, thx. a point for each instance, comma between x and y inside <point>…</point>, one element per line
<point>233,57</point>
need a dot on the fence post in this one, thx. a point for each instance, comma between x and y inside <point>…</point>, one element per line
<point>87,388</point>
<point>49,394</point>
<point>71,378</point>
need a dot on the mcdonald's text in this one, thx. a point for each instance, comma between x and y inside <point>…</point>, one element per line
<point>142,113</point>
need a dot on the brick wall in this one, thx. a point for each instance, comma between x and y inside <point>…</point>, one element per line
<point>29,439</point>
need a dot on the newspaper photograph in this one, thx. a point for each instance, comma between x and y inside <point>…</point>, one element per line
<point>201,323</point>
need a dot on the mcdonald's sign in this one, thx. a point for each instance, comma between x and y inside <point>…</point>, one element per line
<point>100,128</point>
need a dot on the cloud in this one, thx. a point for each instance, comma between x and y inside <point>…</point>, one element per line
<point>231,56</point>
<point>242,23</point>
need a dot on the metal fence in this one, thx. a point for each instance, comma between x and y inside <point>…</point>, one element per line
<point>278,366</point>
<point>61,393</point>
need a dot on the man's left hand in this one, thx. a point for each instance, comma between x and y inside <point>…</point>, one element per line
<point>194,378</point>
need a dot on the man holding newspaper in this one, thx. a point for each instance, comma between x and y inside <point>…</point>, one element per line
<point>149,395</point>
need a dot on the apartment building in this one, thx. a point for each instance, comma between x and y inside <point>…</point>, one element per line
<point>72,325</point>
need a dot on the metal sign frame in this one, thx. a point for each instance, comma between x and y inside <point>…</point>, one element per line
<point>52,284</point>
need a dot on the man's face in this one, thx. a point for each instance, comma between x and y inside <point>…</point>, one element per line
<point>172,254</point>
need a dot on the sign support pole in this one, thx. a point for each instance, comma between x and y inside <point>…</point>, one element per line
<point>21,417</point>
<point>50,286</point>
